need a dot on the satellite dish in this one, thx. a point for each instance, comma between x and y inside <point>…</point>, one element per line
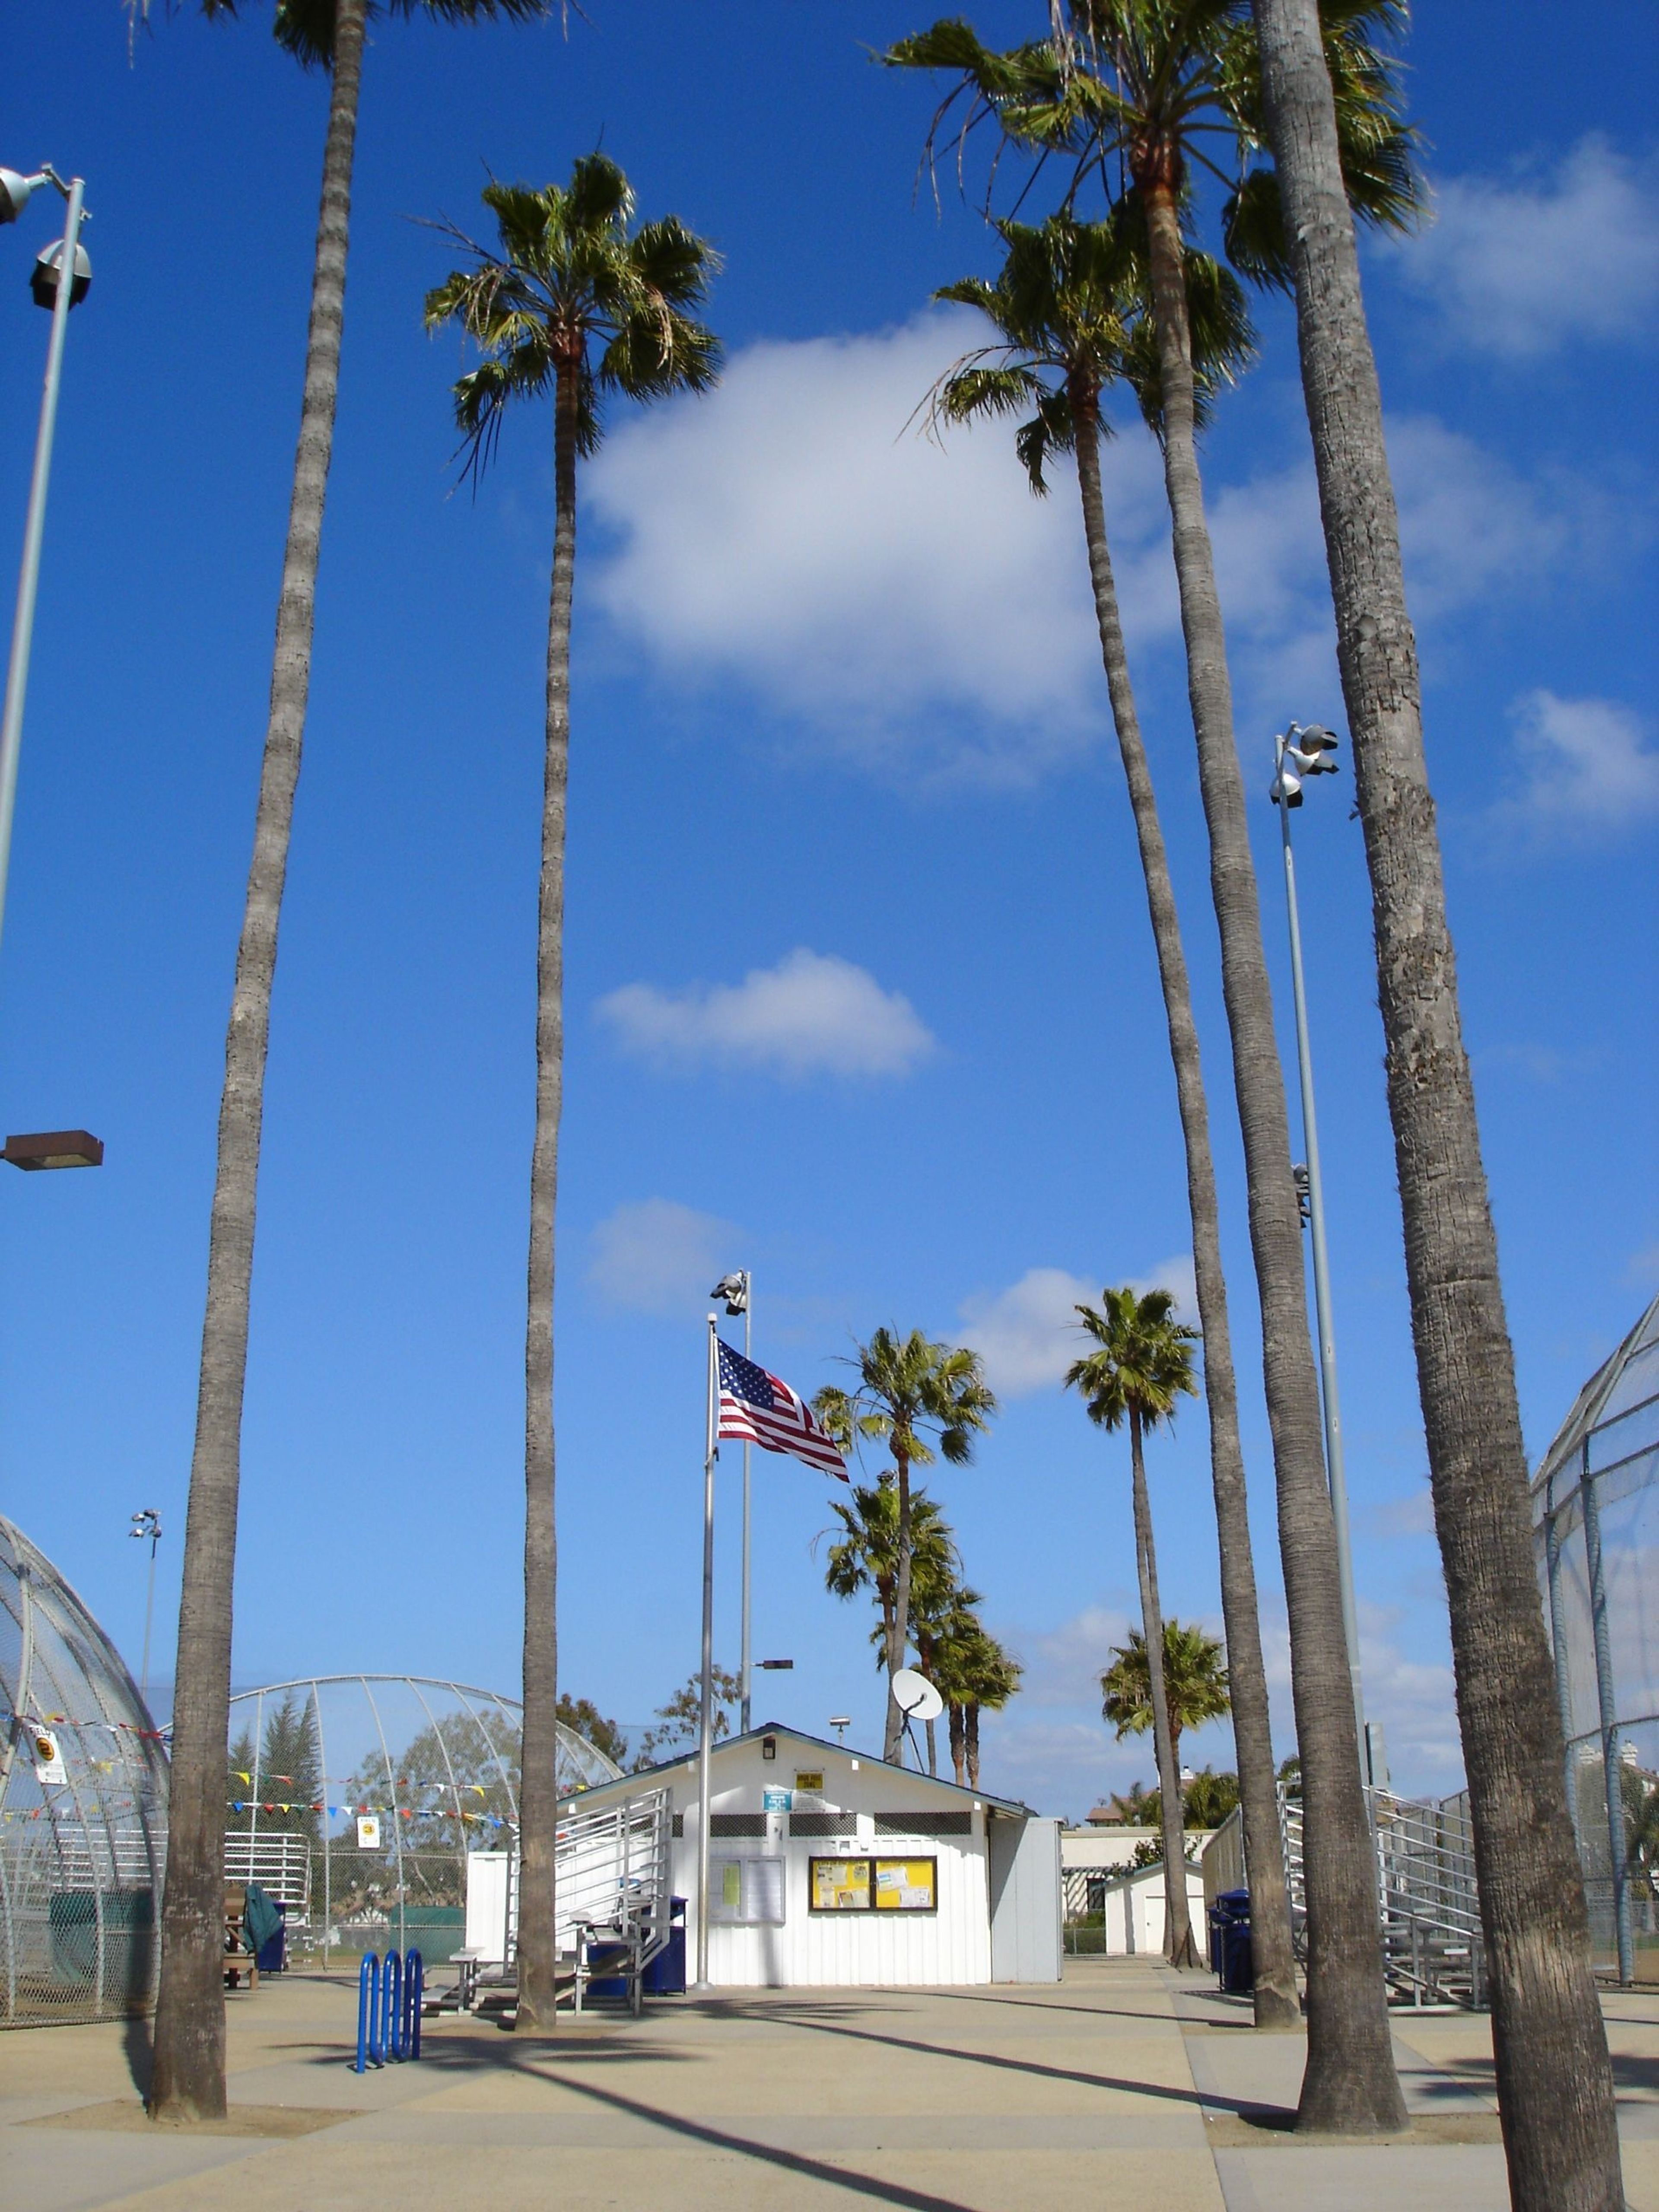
<point>915,1696</point>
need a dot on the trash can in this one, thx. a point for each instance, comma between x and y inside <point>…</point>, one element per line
<point>1230,1944</point>
<point>272,1955</point>
<point>666,1975</point>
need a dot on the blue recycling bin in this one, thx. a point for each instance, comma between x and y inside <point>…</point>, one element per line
<point>666,1975</point>
<point>272,1956</point>
<point>1230,1944</point>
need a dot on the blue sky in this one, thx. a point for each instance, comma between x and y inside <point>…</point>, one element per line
<point>860,988</point>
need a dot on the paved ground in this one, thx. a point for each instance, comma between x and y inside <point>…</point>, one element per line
<point>1126,2084</point>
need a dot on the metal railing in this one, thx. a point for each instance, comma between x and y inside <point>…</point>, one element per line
<point>279,1862</point>
<point>612,1876</point>
<point>1434,1956</point>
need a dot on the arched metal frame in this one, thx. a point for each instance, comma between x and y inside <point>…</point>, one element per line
<point>1595,1515</point>
<point>356,1713</point>
<point>101,1835</point>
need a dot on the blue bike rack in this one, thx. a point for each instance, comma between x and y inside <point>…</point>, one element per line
<point>392,2006</point>
<point>368,2011</point>
<point>389,2009</point>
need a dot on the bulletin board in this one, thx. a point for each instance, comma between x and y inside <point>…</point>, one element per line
<point>746,1892</point>
<point>870,1885</point>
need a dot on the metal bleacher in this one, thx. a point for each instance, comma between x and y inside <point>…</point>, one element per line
<point>1434,1956</point>
<point>612,1877</point>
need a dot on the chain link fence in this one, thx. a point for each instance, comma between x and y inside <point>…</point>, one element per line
<point>82,1807</point>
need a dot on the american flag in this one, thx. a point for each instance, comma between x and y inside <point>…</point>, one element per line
<point>762,1409</point>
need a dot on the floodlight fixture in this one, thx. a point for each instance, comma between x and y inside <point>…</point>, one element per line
<point>48,266</point>
<point>54,1148</point>
<point>776,1666</point>
<point>16,191</point>
<point>734,1289</point>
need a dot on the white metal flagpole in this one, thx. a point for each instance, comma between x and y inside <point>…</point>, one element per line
<point>705,1722</point>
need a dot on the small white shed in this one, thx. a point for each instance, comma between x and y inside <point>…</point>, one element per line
<point>1134,1909</point>
<point>830,1867</point>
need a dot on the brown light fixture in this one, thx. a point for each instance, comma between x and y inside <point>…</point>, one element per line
<point>54,1148</point>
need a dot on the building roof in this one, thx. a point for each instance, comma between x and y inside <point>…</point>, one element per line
<point>687,1757</point>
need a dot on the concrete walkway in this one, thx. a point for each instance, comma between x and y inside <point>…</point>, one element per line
<point>1126,2084</point>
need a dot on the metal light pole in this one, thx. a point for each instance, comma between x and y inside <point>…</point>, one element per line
<point>1303,752</point>
<point>68,257</point>
<point>148,1523</point>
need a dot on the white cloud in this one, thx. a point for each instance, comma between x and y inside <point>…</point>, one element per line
<point>1052,1747</point>
<point>1525,266</point>
<point>811,1014</point>
<point>789,528</point>
<point>1412,1698</point>
<point>1586,768</point>
<point>658,1257</point>
<point>1028,1335</point>
<point>913,609</point>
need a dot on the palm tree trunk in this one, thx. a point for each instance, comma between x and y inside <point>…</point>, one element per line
<point>970,1741</point>
<point>1277,2003</point>
<point>1178,1921</point>
<point>1349,2086</point>
<point>958,1743</point>
<point>932,1747</point>
<point>1554,2086</point>
<point>538,1790</point>
<point>188,2081</point>
<point>898,1628</point>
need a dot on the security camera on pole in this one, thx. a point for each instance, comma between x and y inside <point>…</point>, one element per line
<point>1298,754</point>
<point>49,291</point>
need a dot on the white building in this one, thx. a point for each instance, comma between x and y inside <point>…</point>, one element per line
<point>830,1867</point>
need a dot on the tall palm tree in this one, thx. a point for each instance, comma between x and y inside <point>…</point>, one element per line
<point>188,2078</point>
<point>954,1641</point>
<point>1554,2085</point>
<point>938,1605</point>
<point>1195,1685</point>
<point>1143,1363</point>
<point>1070,307</point>
<point>573,303</point>
<point>1138,89</point>
<point>867,1558</point>
<point>908,1387</point>
<point>987,1677</point>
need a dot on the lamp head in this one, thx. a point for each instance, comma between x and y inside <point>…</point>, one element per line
<point>15,194</point>
<point>1286,789</point>
<point>43,281</point>
<point>734,1289</point>
<point>1306,749</point>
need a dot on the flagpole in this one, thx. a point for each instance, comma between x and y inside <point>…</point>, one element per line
<point>743,1664</point>
<point>705,1721</point>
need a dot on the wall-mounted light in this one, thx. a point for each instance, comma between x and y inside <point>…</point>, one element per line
<point>769,1746</point>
